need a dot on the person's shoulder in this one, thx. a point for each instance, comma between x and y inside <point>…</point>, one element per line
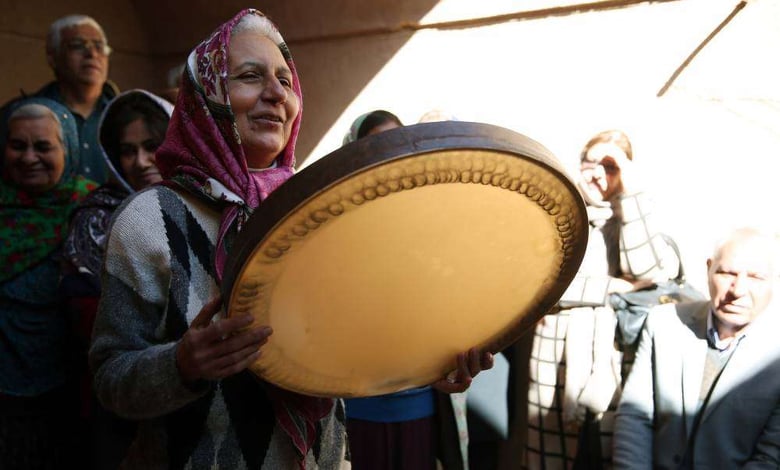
<point>142,202</point>
<point>50,90</point>
<point>101,200</point>
<point>110,89</point>
<point>663,310</point>
<point>84,213</point>
<point>149,194</point>
<point>159,198</point>
<point>105,195</point>
<point>659,315</point>
<point>140,215</point>
<point>684,313</point>
<point>692,311</point>
<point>9,104</point>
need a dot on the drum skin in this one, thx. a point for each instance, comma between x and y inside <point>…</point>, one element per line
<point>379,263</point>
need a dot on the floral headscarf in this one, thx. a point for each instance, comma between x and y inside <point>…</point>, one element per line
<point>202,152</point>
<point>33,225</point>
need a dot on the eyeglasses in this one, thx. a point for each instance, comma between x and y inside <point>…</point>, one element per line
<point>83,45</point>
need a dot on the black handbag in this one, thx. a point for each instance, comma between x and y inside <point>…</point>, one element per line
<point>631,308</point>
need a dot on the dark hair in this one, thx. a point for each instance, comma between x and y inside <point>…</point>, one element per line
<point>374,119</point>
<point>124,111</point>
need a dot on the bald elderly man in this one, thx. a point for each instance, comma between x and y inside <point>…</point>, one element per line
<point>704,391</point>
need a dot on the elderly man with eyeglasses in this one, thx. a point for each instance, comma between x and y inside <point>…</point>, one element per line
<point>77,51</point>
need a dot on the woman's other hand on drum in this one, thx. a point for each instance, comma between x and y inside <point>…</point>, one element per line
<point>215,350</point>
<point>470,364</point>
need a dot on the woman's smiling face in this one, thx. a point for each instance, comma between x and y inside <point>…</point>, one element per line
<point>260,89</point>
<point>34,155</point>
<point>136,155</point>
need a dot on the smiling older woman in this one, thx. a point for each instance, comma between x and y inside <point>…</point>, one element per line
<point>38,191</point>
<point>157,355</point>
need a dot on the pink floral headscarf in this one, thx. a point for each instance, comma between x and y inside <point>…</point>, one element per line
<point>202,149</point>
<point>202,152</point>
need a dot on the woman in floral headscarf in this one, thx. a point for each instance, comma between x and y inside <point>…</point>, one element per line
<point>157,355</point>
<point>38,191</point>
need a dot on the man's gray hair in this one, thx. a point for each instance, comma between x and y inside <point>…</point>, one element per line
<point>756,235</point>
<point>54,37</point>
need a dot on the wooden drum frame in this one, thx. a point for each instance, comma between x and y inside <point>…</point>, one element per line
<point>381,261</point>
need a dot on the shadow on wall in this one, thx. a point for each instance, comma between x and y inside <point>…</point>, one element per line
<point>337,51</point>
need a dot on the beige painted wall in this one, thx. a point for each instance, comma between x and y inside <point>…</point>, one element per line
<point>554,73</point>
<point>23,28</point>
<point>339,46</point>
<point>704,149</point>
<point>150,37</point>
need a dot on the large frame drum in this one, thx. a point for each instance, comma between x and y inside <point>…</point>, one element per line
<point>380,262</point>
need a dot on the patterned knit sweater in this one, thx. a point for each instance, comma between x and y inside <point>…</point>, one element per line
<point>158,274</point>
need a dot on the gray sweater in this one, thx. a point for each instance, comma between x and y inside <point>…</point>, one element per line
<point>158,274</point>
